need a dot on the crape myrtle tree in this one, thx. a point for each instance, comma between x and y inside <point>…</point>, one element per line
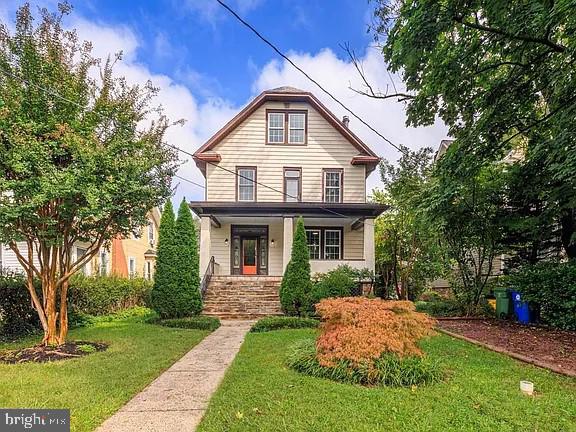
<point>500,74</point>
<point>82,156</point>
<point>296,283</point>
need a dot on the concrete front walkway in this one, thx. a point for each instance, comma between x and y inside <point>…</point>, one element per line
<point>177,399</point>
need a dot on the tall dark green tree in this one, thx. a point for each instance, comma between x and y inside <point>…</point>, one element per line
<point>187,299</point>
<point>296,284</point>
<point>165,283</point>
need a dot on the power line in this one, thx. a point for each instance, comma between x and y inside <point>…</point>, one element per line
<point>303,72</point>
<point>190,181</point>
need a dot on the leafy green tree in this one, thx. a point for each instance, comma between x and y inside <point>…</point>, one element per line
<point>466,213</point>
<point>165,282</point>
<point>500,74</point>
<point>296,284</point>
<point>77,162</point>
<point>187,297</point>
<point>408,253</point>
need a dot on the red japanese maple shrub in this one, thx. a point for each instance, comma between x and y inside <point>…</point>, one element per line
<point>360,330</point>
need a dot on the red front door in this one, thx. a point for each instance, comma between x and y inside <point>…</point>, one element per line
<point>249,256</point>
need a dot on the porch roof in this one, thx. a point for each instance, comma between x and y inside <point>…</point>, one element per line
<point>330,210</point>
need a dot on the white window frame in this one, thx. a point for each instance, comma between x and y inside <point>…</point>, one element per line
<point>131,267</point>
<point>291,128</point>
<point>104,262</point>
<point>319,246</point>
<point>151,232</point>
<point>339,246</point>
<point>298,178</point>
<point>84,268</point>
<point>276,128</point>
<point>148,270</point>
<point>249,183</point>
<point>339,187</point>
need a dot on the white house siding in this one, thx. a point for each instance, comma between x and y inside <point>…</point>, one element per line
<point>8,259</point>
<point>245,146</point>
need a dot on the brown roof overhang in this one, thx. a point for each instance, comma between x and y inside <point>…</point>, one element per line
<point>271,95</point>
<point>279,209</point>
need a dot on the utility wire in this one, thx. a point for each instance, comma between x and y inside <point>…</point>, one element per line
<point>57,95</point>
<point>303,72</point>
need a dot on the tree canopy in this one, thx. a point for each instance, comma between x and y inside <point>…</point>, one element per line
<point>500,74</point>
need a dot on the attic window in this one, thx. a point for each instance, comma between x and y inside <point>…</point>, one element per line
<point>286,127</point>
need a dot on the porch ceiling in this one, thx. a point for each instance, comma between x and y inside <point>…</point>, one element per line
<point>330,210</point>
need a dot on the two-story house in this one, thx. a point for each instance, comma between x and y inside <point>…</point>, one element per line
<point>283,156</point>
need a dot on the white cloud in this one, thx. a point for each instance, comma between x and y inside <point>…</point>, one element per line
<point>212,12</point>
<point>337,75</point>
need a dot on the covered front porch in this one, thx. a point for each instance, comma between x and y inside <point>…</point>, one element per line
<point>255,239</point>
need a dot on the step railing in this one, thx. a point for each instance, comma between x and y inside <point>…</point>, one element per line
<point>207,276</point>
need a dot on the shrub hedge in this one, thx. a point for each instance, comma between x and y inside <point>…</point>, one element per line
<point>102,295</point>
<point>283,322</point>
<point>387,370</point>
<point>17,316</point>
<point>88,296</point>
<point>199,322</point>
<point>551,285</point>
<point>340,282</point>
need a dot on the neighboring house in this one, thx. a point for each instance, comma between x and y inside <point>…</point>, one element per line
<point>127,257</point>
<point>283,156</point>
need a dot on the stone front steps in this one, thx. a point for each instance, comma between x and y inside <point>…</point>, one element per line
<point>242,297</point>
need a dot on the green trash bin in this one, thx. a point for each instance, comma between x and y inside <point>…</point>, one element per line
<point>503,302</point>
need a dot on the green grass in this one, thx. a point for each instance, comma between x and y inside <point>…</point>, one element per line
<point>95,386</point>
<point>260,393</point>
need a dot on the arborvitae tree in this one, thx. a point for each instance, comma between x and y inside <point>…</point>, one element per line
<point>187,298</point>
<point>165,283</point>
<point>296,284</point>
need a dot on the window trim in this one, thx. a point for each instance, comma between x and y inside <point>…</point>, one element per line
<point>253,168</point>
<point>330,170</point>
<point>132,274</point>
<point>323,230</point>
<point>285,183</point>
<point>319,230</point>
<point>151,232</point>
<point>286,113</point>
<point>341,240</point>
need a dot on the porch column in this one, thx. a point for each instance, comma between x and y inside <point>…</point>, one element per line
<point>369,252</point>
<point>288,237</point>
<point>205,243</point>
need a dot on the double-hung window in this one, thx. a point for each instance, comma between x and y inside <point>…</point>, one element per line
<point>246,184</point>
<point>324,243</point>
<point>150,232</point>
<point>296,128</point>
<point>276,123</point>
<point>292,184</point>
<point>286,127</point>
<point>132,267</point>
<point>332,244</point>
<point>313,237</point>
<point>333,185</point>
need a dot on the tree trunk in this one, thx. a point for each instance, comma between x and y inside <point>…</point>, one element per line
<point>63,313</point>
<point>51,336</point>
<point>568,222</point>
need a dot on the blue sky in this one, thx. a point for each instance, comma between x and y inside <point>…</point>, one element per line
<point>208,66</point>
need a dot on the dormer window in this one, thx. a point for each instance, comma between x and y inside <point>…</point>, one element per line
<point>286,127</point>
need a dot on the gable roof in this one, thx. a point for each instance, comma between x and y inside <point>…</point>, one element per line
<point>285,94</point>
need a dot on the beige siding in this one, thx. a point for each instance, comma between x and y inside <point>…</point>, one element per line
<point>353,243</point>
<point>245,146</point>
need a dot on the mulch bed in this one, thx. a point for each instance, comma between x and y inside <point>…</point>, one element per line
<point>42,354</point>
<point>545,347</point>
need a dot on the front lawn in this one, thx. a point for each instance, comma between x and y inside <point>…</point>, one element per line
<point>96,386</point>
<point>482,394</point>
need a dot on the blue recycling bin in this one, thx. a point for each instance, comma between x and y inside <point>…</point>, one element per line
<point>521,308</point>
